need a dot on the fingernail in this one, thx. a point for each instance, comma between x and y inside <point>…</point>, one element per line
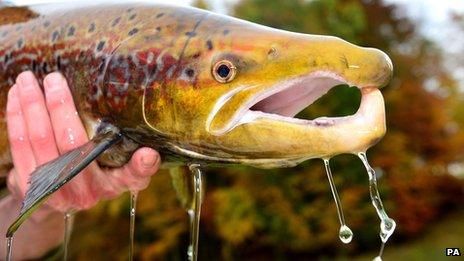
<point>54,81</point>
<point>12,92</point>
<point>26,80</point>
<point>148,161</point>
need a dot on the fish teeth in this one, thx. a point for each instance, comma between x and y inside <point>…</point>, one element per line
<point>323,121</point>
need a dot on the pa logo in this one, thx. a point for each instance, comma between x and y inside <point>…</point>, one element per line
<point>453,251</point>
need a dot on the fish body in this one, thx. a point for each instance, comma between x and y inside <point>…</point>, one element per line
<point>196,86</point>
<point>148,69</point>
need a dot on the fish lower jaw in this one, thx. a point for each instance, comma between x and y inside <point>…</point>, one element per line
<point>325,137</point>
<point>370,115</point>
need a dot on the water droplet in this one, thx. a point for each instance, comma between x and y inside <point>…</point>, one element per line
<point>71,137</point>
<point>387,227</point>
<point>345,234</point>
<point>21,138</point>
<point>62,101</point>
<point>377,258</point>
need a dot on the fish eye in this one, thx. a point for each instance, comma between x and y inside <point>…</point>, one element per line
<point>224,71</point>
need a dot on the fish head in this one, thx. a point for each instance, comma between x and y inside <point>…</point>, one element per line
<point>236,87</point>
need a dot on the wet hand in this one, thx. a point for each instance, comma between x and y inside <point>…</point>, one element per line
<point>42,127</point>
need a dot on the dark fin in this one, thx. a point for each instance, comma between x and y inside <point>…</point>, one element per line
<point>48,178</point>
<point>182,181</point>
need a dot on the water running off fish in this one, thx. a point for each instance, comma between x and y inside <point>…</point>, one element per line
<point>68,226</point>
<point>195,212</point>
<point>133,207</point>
<point>387,225</point>
<point>9,248</point>
<point>345,234</point>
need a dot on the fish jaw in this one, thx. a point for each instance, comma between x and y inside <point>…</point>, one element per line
<point>269,140</point>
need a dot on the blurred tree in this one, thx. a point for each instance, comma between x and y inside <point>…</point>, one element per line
<point>203,4</point>
<point>279,214</point>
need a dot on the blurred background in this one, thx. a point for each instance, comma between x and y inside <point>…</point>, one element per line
<point>289,214</point>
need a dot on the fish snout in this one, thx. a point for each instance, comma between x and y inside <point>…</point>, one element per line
<point>379,69</point>
<point>356,65</point>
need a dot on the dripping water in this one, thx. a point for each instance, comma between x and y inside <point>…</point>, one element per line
<point>194,212</point>
<point>133,205</point>
<point>68,225</point>
<point>379,257</point>
<point>387,225</point>
<point>345,234</point>
<point>9,248</point>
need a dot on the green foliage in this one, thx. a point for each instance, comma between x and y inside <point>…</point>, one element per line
<point>271,214</point>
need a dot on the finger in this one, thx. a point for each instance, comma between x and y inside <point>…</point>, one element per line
<point>67,126</point>
<point>144,163</point>
<point>21,150</point>
<point>136,174</point>
<point>69,133</point>
<point>37,120</point>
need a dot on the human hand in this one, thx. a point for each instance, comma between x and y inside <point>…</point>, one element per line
<point>42,128</point>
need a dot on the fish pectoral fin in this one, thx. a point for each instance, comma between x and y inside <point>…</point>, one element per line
<point>182,181</point>
<point>48,178</point>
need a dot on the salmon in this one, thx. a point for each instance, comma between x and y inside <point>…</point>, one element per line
<point>198,87</point>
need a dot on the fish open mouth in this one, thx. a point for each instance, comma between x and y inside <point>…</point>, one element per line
<point>296,95</point>
<point>283,101</point>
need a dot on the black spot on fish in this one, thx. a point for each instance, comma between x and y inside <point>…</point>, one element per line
<point>20,43</point>
<point>130,9</point>
<point>92,27</point>
<point>71,31</point>
<point>226,32</point>
<point>55,36</point>
<point>34,65</point>
<point>46,24</point>
<point>132,17</point>
<point>101,68</point>
<point>158,29</point>
<point>133,31</point>
<point>191,34</point>
<point>100,46</point>
<point>209,44</point>
<point>153,70</point>
<point>58,62</point>
<point>44,67</point>
<point>159,15</point>
<point>7,58</point>
<point>116,21</point>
